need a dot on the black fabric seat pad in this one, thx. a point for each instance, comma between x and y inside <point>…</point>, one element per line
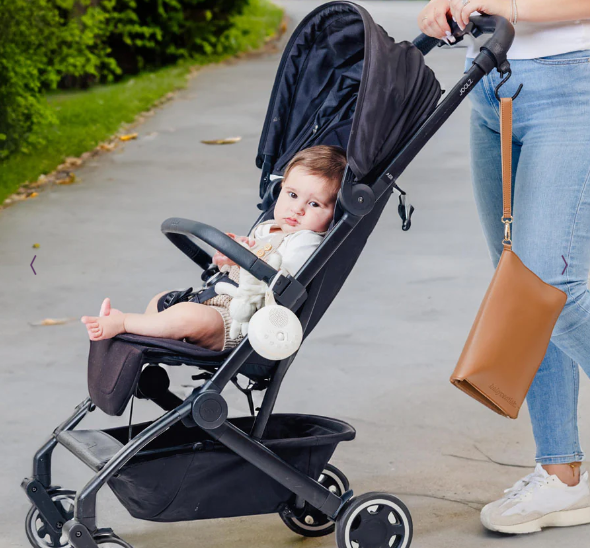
<point>173,352</point>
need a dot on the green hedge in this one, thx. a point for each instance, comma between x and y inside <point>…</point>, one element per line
<point>46,44</point>
<point>85,118</point>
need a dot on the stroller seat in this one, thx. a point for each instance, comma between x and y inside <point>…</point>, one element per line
<point>116,369</point>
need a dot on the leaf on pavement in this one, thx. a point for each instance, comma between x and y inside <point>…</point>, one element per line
<point>128,137</point>
<point>68,180</point>
<point>53,321</point>
<point>227,141</point>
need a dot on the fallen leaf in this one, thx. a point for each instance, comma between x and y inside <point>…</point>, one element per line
<point>228,141</point>
<point>107,146</point>
<point>71,178</point>
<point>33,195</point>
<point>53,321</point>
<point>128,137</point>
<point>36,246</point>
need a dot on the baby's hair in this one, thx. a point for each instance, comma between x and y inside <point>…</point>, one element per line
<point>327,162</point>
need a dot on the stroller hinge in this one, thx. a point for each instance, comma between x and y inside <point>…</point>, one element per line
<point>357,199</point>
<point>40,498</point>
<point>78,535</point>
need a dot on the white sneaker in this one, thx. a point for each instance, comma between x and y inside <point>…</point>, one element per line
<point>536,501</point>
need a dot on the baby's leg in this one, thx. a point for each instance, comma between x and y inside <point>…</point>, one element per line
<point>152,307</point>
<point>198,323</point>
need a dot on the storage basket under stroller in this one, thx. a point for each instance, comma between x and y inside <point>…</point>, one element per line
<point>185,475</point>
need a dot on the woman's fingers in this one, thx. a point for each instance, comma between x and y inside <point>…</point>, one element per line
<point>461,12</point>
<point>432,20</point>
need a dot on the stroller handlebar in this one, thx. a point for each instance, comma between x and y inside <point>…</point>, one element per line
<point>498,45</point>
<point>179,231</point>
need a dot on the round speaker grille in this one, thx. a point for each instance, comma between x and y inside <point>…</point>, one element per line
<point>278,317</point>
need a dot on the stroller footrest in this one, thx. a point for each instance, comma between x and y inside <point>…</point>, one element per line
<point>93,447</point>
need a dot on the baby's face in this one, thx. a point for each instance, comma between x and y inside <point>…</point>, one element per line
<point>305,203</point>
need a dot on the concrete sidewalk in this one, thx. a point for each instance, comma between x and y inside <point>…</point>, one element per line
<point>379,359</point>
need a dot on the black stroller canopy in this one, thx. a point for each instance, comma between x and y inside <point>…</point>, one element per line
<point>343,81</point>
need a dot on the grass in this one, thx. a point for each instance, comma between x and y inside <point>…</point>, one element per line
<point>86,118</point>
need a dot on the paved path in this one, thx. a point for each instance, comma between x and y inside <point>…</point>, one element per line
<point>380,358</point>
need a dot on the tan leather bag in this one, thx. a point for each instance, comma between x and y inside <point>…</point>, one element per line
<point>511,332</point>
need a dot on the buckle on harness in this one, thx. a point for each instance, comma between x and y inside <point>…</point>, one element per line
<point>212,280</point>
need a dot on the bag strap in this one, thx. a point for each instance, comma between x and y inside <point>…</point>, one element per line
<point>506,142</point>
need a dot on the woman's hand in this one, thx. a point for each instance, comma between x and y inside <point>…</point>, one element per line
<point>220,259</point>
<point>432,20</point>
<point>462,12</point>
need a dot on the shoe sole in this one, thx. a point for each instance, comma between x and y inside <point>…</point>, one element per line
<point>556,519</point>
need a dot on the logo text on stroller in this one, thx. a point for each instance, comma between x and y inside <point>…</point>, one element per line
<point>466,86</point>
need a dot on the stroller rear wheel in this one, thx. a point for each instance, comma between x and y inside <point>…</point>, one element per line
<point>374,520</point>
<point>309,521</point>
<point>38,533</point>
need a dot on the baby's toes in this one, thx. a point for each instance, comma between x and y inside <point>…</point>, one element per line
<point>96,334</point>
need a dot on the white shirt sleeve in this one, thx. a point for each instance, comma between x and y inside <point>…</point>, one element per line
<point>297,248</point>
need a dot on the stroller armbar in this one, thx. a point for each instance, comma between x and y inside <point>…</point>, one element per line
<point>179,231</point>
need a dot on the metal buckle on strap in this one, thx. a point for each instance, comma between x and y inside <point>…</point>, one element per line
<point>213,279</point>
<point>507,232</point>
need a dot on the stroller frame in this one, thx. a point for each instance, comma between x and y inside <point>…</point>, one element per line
<point>205,407</point>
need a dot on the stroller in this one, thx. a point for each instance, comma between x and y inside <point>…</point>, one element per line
<point>342,81</point>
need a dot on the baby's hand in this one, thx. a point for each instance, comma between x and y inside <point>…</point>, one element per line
<point>220,259</point>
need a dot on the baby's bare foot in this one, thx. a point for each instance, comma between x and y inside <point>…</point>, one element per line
<point>106,310</point>
<point>104,327</point>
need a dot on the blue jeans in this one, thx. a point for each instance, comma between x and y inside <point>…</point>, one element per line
<point>551,208</point>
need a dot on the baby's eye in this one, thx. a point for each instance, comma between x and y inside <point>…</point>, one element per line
<point>314,204</point>
<point>292,195</point>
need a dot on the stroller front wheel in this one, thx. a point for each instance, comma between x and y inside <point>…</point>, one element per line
<point>375,520</point>
<point>38,533</point>
<point>309,521</point>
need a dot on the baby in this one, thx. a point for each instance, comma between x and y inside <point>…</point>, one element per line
<point>302,215</point>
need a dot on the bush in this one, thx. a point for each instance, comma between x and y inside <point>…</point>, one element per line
<point>46,44</point>
<point>155,33</point>
<point>23,56</point>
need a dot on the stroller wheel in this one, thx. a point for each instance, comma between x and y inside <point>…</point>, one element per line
<point>38,533</point>
<point>374,520</point>
<point>309,521</point>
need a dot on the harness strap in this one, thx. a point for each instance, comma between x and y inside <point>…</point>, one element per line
<point>209,292</point>
<point>200,296</point>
